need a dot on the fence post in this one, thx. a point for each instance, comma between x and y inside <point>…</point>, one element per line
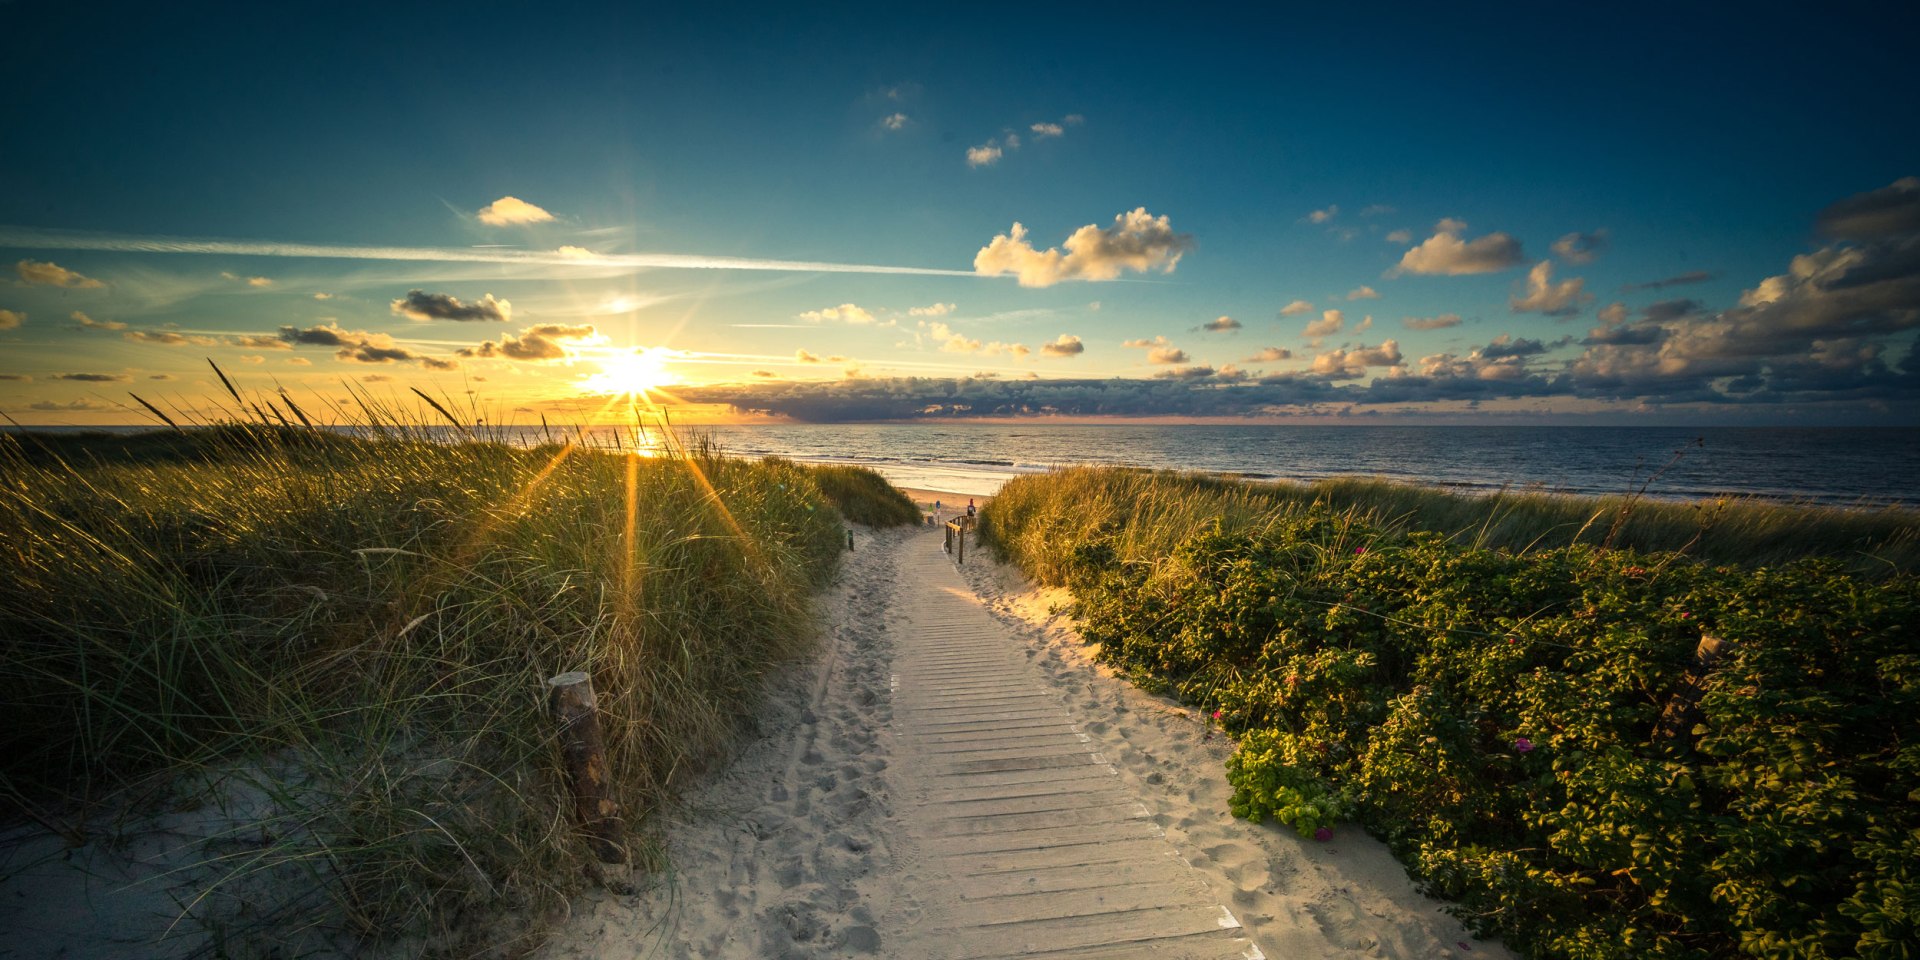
<point>584,753</point>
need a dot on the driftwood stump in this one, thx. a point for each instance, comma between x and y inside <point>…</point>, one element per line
<point>584,753</point>
<point>1683,706</point>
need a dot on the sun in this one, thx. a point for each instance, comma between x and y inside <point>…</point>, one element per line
<point>633,374</point>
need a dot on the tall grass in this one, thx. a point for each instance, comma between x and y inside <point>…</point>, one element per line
<point>864,496</point>
<point>1148,512</point>
<point>344,641</point>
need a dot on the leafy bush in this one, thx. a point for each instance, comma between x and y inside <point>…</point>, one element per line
<point>1494,715</point>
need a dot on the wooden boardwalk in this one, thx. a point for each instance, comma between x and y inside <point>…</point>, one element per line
<point>1027,843</point>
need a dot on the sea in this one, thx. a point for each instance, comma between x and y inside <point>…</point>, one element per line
<point>1842,466</point>
<point>1837,466</point>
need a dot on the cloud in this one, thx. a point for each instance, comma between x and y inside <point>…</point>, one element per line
<point>1322,216</point>
<point>170,338</point>
<point>1159,350</point>
<point>1366,323</point>
<point>1400,236</point>
<point>254,341</point>
<point>1363,293</point>
<point>357,346</point>
<point>1667,311</point>
<point>761,373</point>
<point>536,343</point>
<point>299,362</point>
<point>1581,248</point>
<point>1137,241</point>
<point>1219,325</point>
<point>805,357</point>
<point>1440,322</point>
<point>1199,372</point>
<point>1553,299</point>
<point>986,155</point>
<point>423,306</point>
<point>84,322</point>
<point>68,406</point>
<point>1446,254</point>
<point>1345,364</point>
<point>932,310</point>
<point>323,296</point>
<point>71,240</point>
<point>1042,131</point>
<point>512,211</point>
<point>94,377</point>
<point>1063,346</point>
<point>249,281</point>
<point>37,273</point>
<point>1270,355</point>
<point>1695,276</point>
<point>844,313</point>
<point>1505,345</point>
<point>1295,308</point>
<point>1891,211</point>
<point>573,252</point>
<point>1329,323</point>
<point>895,121</point>
<point>11,319</point>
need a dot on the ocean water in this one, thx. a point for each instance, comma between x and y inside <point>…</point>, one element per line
<point>1838,465</point>
<point>1826,465</point>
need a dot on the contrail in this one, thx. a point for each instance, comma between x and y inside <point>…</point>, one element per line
<point>34,239</point>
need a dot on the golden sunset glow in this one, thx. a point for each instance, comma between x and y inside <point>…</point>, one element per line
<point>631,374</point>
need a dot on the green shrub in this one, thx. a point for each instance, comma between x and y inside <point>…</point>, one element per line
<point>1493,714</point>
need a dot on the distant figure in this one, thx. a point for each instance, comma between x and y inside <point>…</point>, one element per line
<point>969,508</point>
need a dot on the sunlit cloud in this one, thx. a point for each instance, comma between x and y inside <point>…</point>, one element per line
<point>844,313</point>
<point>1296,308</point>
<point>1553,299</point>
<point>170,338</point>
<point>1219,325</point>
<point>94,377</point>
<point>1440,322</point>
<point>1159,350</point>
<point>1136,241</point>
<point>512,211</point>
<point>895,121</point>
<point>11,319</point>
<point>83,321</point>
<point>1581,248</point>
<point>1063,346</point>
<point>359,346</point>
<point>257,282</point>
<point>1322,216</point>
<point>38,273</point>
<point>986,154</point>
<point>1270,355</point>
<point>540,342</point>
<point>932,310</point>
<point>1363,293</point>
<point>1330,322</point>
<point>1446,254</point>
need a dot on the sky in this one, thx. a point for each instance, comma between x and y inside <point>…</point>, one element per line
<point>1660,214</point>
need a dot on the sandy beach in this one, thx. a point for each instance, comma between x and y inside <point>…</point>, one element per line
<point>796,849</point>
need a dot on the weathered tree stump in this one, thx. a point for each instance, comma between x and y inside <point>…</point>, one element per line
<point>1682,711</point>
<point>584,753</point>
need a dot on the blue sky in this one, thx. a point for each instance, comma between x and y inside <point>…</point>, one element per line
<point>1276,158</point>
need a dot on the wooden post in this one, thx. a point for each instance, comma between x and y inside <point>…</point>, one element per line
<point>1683,706</point>
<point>849,539</point>
<point>584,752</point>
<point>963,545</point>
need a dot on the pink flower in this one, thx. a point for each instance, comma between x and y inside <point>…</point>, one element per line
<point>1216,714</point>
<point>1359,549</point>
<point>1685,615</point>
<point>1323,834</point>
<point>1523,745</point>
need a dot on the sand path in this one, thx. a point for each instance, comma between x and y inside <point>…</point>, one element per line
<point>954,778</point>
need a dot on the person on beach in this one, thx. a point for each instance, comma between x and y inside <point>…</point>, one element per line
<point>969,508</point>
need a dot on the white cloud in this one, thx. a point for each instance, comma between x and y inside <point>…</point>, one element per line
<point>11,319</point>
<point>1400,236</point>
<point>1063,346</point>
<point>1295,308</point>
<point>1322,216</point>
<point>1159,350</point>
<point>985,155</point>
<point>575,253</point>
<point>932,310</point>
<point>1580,248</point>
<point>510,211</point>
<point>1340,364</point>
<point>1137,241</point>
<point>35,272</point>
<point>249,281</point>
<point>1363,293</point>
<point>1440,322</point>
<point>1219,325</point>
<point>1553,299</point>
<point>1041,131</point>
<point>844,313</point>
<point>1365,324</point>
<point>323,296</point>
<point>1270,354</point>
<point>1446,254</point>
<point>1329,323</point>
<point>895,121</point>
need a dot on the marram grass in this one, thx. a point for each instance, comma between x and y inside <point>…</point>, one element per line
<point>346,639</point>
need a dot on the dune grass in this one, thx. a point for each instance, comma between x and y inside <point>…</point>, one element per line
<point>864,496</point>
<point>342,642</point>
<point>1160,508</point>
